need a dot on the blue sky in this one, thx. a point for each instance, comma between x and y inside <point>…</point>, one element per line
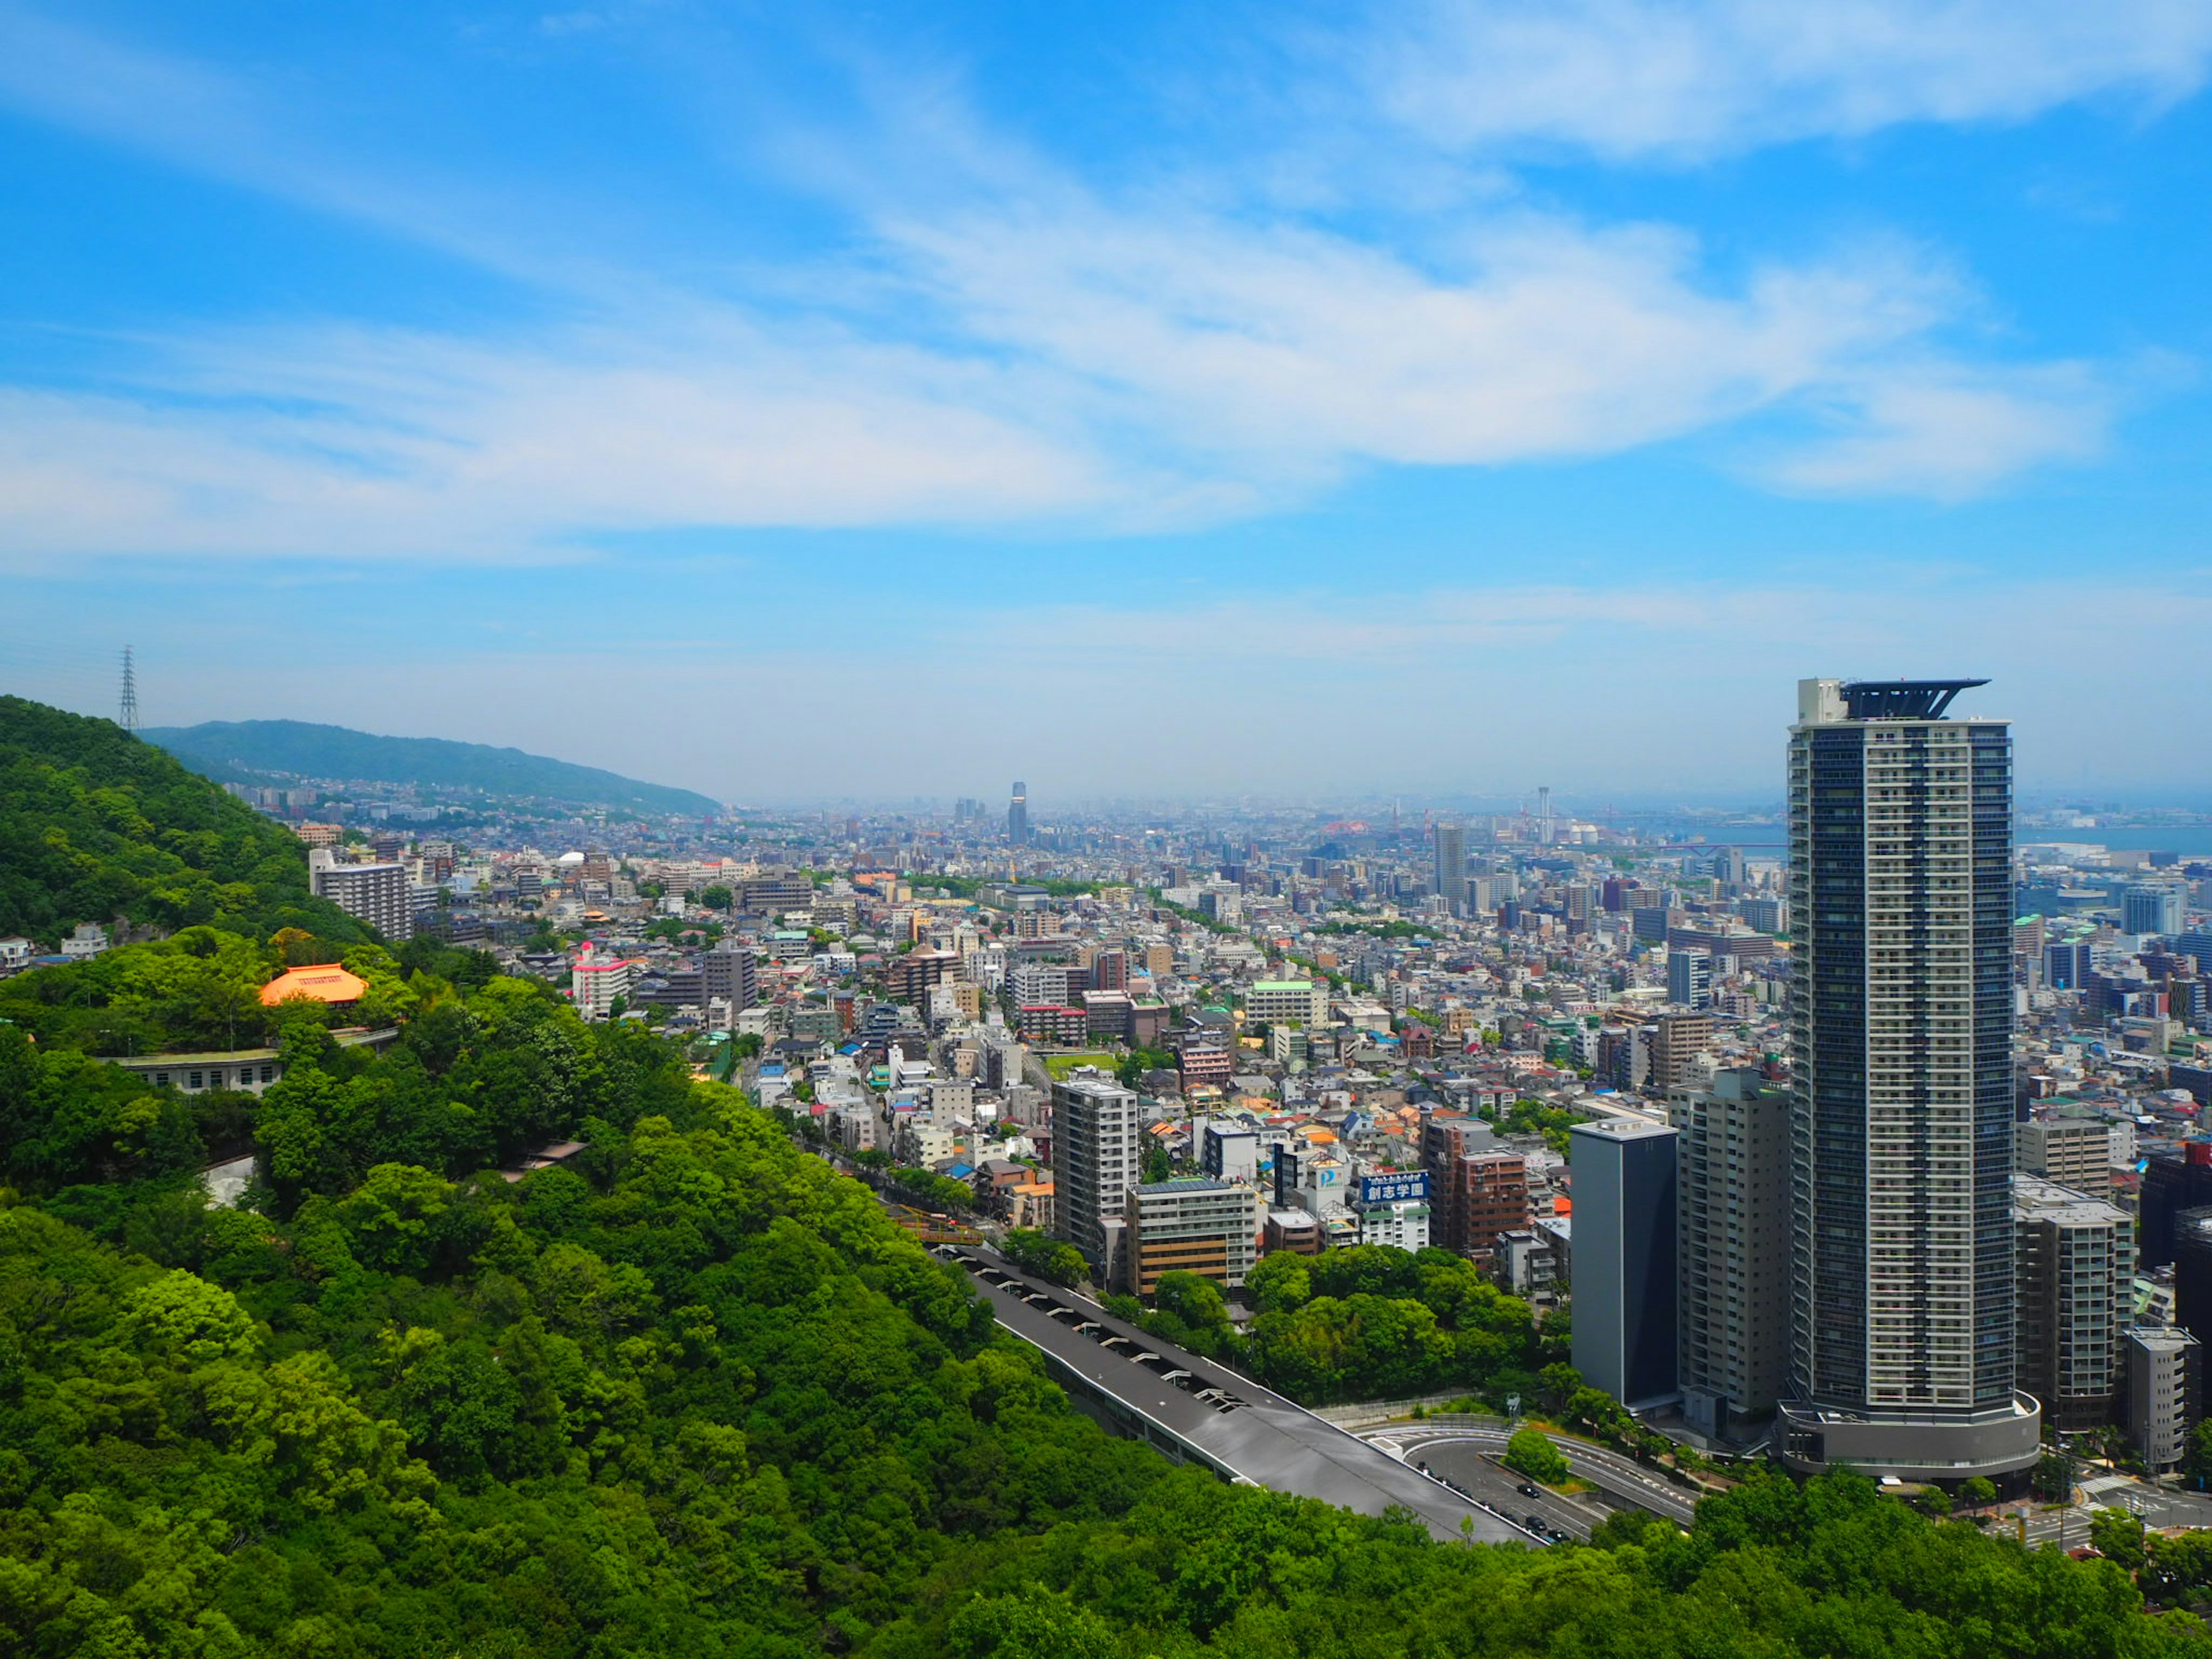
<point>1144,398</point>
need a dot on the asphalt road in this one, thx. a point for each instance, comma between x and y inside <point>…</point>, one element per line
<point>1466,1467</point>
<point>1621,1477</point>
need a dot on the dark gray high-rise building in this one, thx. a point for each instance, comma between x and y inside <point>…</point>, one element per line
<point>1451,865</point>
<point>1900,1038</point>
<point>1017,817</point>
<point>1625,1339</point>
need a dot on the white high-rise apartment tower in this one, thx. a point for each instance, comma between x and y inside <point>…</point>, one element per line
<point>1095,1162</point>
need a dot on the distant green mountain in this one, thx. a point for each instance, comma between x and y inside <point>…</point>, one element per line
<point>95,825</point>
<point>237,751</point>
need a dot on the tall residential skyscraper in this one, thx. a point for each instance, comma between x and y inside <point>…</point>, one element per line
<point>1017,817</point>
<point>1451,865</point>
<point>1900,1038</point>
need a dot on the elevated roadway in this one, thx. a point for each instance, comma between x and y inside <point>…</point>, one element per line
<point>1197,1410</point>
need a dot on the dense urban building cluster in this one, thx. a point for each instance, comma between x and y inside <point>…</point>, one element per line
<point>1868,1134</point>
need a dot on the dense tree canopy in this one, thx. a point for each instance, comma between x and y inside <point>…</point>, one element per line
<point>1375,1322</point>
<point>95,825</point>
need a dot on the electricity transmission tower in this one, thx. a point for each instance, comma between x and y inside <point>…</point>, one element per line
<point>130,694</point>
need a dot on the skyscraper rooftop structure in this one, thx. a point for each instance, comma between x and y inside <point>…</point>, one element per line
<point>1902,1259</point>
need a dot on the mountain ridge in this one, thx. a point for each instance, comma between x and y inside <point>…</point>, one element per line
<point>238,750</point>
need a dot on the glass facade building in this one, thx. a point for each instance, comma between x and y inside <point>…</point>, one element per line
<point>1902,1356</point>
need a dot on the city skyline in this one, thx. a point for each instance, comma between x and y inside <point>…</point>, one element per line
<point>1276,358</point>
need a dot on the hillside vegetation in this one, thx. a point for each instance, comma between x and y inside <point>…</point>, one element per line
<point>237,751</point>
<point>700,1397</point>
<point>96,825</point>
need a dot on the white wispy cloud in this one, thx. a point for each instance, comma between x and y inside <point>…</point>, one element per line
<point>1684,79</point>
<point>1009,343</point>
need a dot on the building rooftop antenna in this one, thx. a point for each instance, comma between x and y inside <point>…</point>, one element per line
<point>129,720</point>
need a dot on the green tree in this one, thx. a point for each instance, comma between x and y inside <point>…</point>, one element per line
<point>2053,1479</point>
<point>1051,1260</point>
<point>717,898</point>
<point>1189,1310</point>
<point>2117,1536</point>
<point>1281,1282</point>
<point>1534,1454</point>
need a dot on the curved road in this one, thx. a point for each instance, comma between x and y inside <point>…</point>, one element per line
<point>1622,1477</point>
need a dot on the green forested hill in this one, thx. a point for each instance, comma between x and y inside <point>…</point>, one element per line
<point>95,824</point>
<point>700,1397</point>
<point>234,750</point>
<point>695,1394</point>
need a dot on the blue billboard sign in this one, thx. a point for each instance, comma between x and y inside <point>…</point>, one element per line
<point>1395,1186</point>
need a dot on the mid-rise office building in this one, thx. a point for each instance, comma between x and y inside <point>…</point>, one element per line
<point>2076,1300</point>
<point>2148,909</point>
<point>1762,915</point>
<point>1677,1041</point>
<point>1900,1037</point>
<point>1392,1207</point>
<point>1227,1152</point>
<point>2073,1152</point>
<point>1625,1258</point>
<point>1690,979</point>
<point>1733,1226</point>
<point>1194,1225</point>
<point>598,985</point>
<point>1095,1162</point>
<point>1286,1001</point>
<point>2164,1384</point>
<point>773,896</point>
<point>730,972</point>
<point>1446,1137</point>
<point>378,894</point>
<point>1488,1198</point>
<point>2067,967</point>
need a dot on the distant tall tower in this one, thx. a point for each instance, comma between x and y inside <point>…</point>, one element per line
<point>1544,813</point>
<point>1451,865</point>
<point>1017,817</point>
<point>129,718</point>
<point>1902,1348</point>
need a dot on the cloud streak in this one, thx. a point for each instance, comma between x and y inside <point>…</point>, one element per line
<point>1666,81</point>
<point>1012,344</point>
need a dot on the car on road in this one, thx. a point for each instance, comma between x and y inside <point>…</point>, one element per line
<point>1527,1491</point>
